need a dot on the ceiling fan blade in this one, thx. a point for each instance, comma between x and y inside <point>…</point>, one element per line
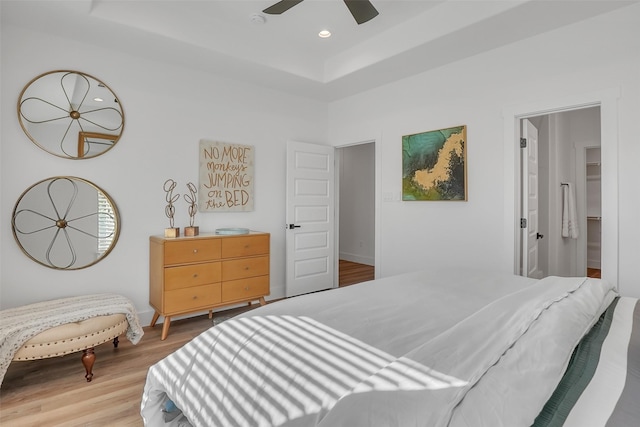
<point>362,10</point>
<point>281,7</point>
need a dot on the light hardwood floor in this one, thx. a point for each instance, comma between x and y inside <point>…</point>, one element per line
<point>53,392</point>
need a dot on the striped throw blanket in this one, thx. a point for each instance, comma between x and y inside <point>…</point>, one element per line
<point>20,324</point>
<point>601,386</point>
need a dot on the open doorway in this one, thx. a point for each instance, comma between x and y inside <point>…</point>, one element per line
<point>607,100</point>
<point>560,194</point>
<point>356,213</point>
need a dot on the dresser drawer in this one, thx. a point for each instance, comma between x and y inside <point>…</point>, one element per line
<point>185,251</point>
<point>245,245</point>
<point>245,267</point>
<point>245,288</point>
<point>192,275</point>
<point>190,299</point>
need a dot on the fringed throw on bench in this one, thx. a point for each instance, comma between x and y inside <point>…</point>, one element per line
<point>18,325</point>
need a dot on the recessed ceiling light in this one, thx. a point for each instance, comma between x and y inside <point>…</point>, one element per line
<point>98,99</point>
<point>257,19</point>
<point>324,34</point>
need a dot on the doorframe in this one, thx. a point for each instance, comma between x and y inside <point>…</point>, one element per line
<point>376,219</point>
<point>607,100</point>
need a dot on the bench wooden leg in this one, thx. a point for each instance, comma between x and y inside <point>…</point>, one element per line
<point>116,341</point>
<point>88,359</point>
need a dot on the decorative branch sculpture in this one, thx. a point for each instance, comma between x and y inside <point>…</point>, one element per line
<point>170,210</point>
<point>191,199</point>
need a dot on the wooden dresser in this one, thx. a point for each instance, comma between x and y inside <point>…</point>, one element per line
<point>199,273</point>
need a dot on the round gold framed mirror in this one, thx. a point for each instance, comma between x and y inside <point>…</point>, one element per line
<point>65,223</point>
<point>70,114</point>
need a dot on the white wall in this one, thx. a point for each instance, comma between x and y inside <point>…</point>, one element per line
<point>168,110</point>
<point>357,203</point>
<point>599,54</point>
<point>565,171</point>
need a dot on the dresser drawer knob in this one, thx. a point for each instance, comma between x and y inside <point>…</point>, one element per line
<point>195,251</point>
<point>246,268</point>
<point>246,288</point>
<point>195,297</point>
<point>195,276</point>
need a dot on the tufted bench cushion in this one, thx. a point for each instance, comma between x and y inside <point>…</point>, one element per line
<point>73,337</point>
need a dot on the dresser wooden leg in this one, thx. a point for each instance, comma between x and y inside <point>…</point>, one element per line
<point>210,314</point>
<point>88,359</point>
<point>262,301</point>
<point>165,328</point>
<point>156,315</point>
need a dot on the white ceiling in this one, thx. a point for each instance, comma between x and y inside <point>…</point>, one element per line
<point>285,52</point>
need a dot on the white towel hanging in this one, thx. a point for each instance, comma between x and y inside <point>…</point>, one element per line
<point>569,214</point>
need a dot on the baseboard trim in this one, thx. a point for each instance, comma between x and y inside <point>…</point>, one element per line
<point>360,259</point>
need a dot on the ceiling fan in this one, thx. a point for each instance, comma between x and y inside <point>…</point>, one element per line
<point>362,10</point>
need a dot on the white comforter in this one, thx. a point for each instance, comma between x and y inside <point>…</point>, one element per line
<point>418,349</point>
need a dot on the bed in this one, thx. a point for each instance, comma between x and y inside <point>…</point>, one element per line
<point>461,348</point>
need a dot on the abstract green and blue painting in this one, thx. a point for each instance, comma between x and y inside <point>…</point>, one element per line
<point>434,165</point>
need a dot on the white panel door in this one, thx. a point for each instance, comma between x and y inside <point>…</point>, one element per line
<point>310,219</point>
<point>530,197</point>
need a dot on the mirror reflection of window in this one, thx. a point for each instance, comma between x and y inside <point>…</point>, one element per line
<point>106,224</point>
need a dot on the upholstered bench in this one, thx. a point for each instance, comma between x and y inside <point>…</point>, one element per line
<point>73,337</point>
<point>58,327</point>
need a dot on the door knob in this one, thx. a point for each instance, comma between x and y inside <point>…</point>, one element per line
<point>292,226</point>
<point>539,236</point>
